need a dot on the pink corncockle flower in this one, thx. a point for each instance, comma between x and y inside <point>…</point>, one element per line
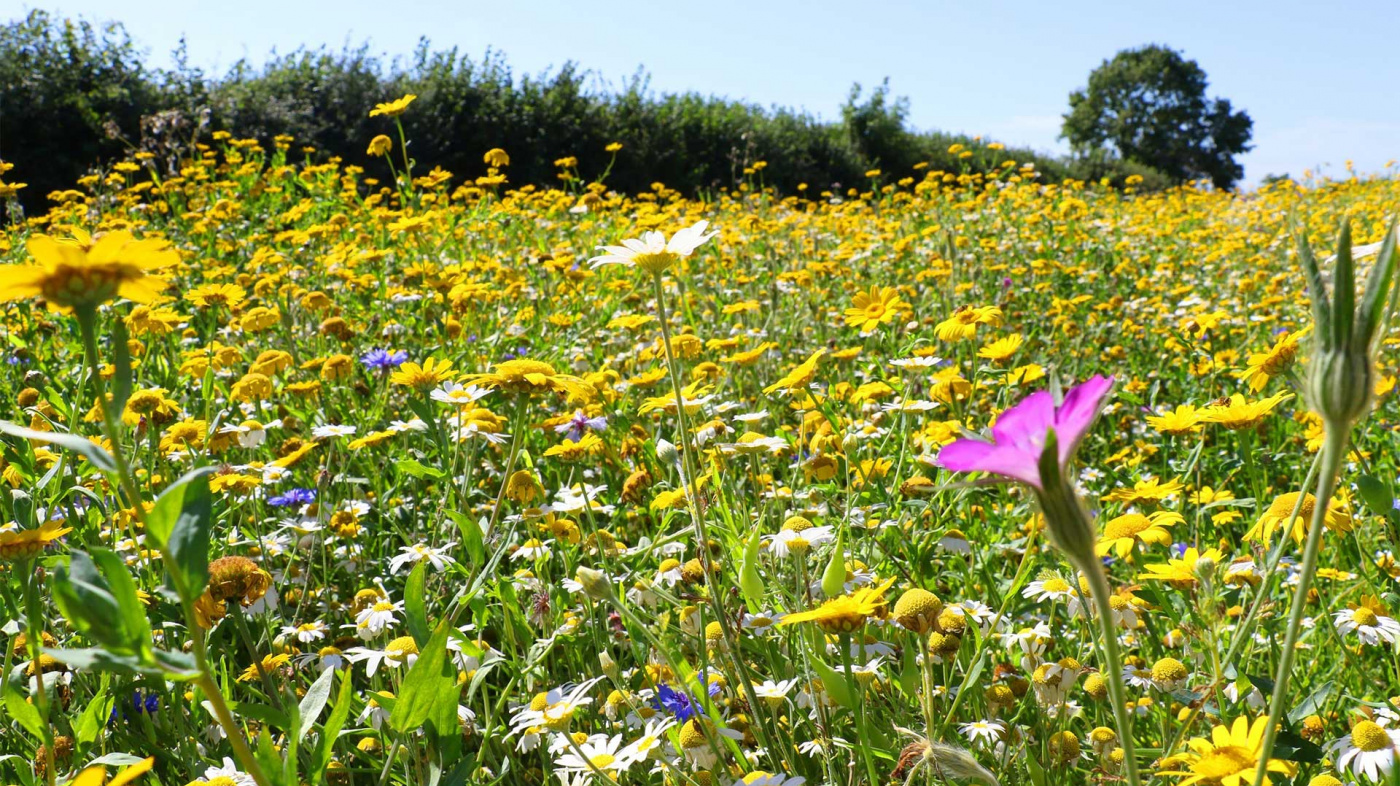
<point>1020,434</point>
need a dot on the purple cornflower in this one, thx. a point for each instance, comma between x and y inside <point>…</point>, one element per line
<point>1020,434</point>
<point>381,359</point>
<point>676,702</point>
<point>579,424</point>
<point>293,497</point>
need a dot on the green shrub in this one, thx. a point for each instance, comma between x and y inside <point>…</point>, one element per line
<point>75,97</point>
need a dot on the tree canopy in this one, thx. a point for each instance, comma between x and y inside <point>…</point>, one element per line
<point>1149,106</point>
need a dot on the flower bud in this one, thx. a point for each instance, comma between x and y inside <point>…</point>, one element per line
<point>595,583</point>
<point>666,452</point>
<point>1339,386</point>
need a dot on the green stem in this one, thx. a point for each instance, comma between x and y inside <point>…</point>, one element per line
<point>1098,587</point>
<point>1333,452</point>
<point>696,517</point>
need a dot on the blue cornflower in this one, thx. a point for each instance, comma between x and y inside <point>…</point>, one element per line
<point>676,702</point>
<point>294,497</point>
<point>380,359</point>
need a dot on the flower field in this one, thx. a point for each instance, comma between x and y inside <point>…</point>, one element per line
<point>320,475</point>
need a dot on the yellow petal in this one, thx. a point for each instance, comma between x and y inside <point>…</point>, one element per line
<point>133,772</point>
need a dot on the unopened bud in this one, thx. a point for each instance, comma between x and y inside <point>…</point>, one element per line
<point>1340,383</point>
<point>666,452</point>
<point>595,583</point>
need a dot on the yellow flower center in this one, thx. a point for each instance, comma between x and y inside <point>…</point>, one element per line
<point>602,760</point>
<point>1222,762</point>
<point>1364,616</point>
<point>1368,736</point>
<point>1056,585</point>
<point>1126,526</point>
<point>657,263</point>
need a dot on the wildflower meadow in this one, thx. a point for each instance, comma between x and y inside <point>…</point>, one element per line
<point>321,474</point>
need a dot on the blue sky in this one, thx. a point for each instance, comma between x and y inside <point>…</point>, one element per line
<point>1320,82</point>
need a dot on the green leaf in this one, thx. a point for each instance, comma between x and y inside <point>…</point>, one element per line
<point>834,682</point>
<point>749,580</point>
<point>834,576</point>
<point>1376,494</point>
<point>24,712</point>
<point>1343,287</point>
<point>472,539</point>
<point>417,470</point>
<point>94,716</point>
<point>429,689</point>
<point>1313,704</point>
<point>123,587</point>
<point>91,606</point>
<point>1033,768</point>
<point>413,603</point>
<point>1317,291</point>
<point>325,745</point>
<point>99,457</point>
<point>121,362</point>
<point>314,701</point>
<point>179,522</point>
<point>1290,746</point>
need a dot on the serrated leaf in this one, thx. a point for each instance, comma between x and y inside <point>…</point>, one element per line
<point>94,453</point>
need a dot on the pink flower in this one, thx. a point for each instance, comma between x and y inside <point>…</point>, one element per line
<point>1020,434</point>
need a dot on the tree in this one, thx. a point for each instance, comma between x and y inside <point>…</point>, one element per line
<point>1149,106</point>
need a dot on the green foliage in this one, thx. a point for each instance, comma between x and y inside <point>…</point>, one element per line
<point>1149,106</point>
<point>78,97</point>
<point>73,94</point>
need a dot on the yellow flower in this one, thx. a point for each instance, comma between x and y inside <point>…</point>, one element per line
<point>30,543</point>
<point>1264,366</point>
<point>422,377</point>
<point>799,378</point>
<point>1122,533</point>
<point>380,145</point>
<point>97,775</point>
<point>393,108</point>
<point>964,321</point>
<point>1145,491</point>
<point>846,613</point>
<point>1231,757</point>
<point>523,375</point>
<point>496,157</point>
<point>268,664</point>
<point>1182,420</point>
<point>1002,349</point>
<point>1240,414</point>
<point>569,450</point>
<point>1337,518</point>
<point>871,309</point>
<point>207,295</point>
<point>83,273</point>
<point>1181,573</point>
